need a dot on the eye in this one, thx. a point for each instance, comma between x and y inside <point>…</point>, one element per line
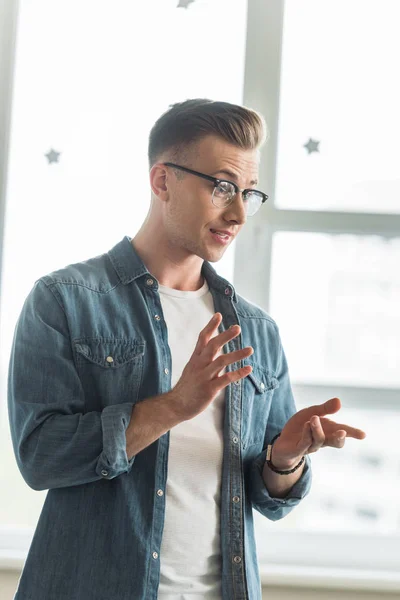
<point>224,189</point>
<point>253,195</point>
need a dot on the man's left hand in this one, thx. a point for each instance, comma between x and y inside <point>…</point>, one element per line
<point>308,431</point>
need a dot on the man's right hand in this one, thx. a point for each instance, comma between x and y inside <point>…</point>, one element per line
<point>200,382</point>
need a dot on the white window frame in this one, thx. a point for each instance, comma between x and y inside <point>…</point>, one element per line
<point>302,558</point>
<point>8,27</point>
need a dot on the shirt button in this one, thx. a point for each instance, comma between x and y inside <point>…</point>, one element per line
<point>235,440</point>
<point>110,359</point>
<point>237,559</point>
<point>262,386</point>
<point>227,291</point>
<point>160,493</point>
<point>149,282</point>
<point>155,555</point>
<point>166,371</point>
<point>236,498</point>
<point>237,382</point>
<point>157,317</point>
<point>104,473</point>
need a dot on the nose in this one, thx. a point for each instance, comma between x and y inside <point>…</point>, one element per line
<point>236,211</point>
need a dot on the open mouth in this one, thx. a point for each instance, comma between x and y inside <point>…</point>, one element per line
<point>221,237</point>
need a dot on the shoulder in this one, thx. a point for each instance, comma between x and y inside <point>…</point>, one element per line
<point>96,273</point>
<point>249,310</point>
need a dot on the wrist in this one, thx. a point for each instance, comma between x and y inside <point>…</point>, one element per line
<point>281,465</point>
<point>171,405</point>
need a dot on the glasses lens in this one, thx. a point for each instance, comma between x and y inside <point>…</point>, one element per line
<point>223,193</point>
<point>253,201</point>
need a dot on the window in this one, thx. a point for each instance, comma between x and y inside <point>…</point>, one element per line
<point>348,333</point>
<point>323,261</point>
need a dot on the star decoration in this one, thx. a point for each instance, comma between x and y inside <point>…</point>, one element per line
<point>312,146</point>
<point>184,3</point>
<point>52,156</point>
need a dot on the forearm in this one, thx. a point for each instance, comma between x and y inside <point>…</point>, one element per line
<point>150,419</point>
<point>280,485</point>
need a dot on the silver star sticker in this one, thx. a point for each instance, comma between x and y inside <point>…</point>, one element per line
<point>312,146</point>
<point>184,3</point>
<point>52,156</point>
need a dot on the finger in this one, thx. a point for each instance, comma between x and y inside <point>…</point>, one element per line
<point>350,431</point>
<point>318,435</point>
<point>353,432</point>
<point>336,440</point>
<point>306,439</point>
<point>216,344</point>
<point>207,333</point>
<point>222,361</point>
<point>220,383</point>
<point>340,439</point>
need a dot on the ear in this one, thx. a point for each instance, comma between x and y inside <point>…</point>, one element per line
<point>159,181</point>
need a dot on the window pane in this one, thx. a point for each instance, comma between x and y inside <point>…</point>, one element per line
<point>339,87</point>
<point>336,301</point>
<point>91,79</point>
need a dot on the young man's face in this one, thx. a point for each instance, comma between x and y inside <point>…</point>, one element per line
<point>190,215</point>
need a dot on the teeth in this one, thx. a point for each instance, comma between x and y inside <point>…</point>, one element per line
<point>221,234</point>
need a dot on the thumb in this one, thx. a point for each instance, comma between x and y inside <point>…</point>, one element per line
<point>328,408</point>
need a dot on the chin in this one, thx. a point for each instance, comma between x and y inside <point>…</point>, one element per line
<point>214,260</point>
<point>213,257</point>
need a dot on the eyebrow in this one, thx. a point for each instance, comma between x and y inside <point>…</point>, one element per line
<point>232,175</point>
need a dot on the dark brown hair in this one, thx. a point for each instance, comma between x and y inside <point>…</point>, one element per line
<point>185,123</point>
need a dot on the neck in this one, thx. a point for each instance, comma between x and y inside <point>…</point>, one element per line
<point>168,265</point>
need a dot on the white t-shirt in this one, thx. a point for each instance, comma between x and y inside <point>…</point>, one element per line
<point>190,556</point>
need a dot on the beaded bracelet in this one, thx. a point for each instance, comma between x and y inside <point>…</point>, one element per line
<point>271,466</point>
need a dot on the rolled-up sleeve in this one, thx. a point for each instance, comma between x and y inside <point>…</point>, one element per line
<point>277,508</point>
<point>282,409</point>
<point>56,442</point>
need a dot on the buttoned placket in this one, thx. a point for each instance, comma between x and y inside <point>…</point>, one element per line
<point>155,310</point>
<point>236,484</point>
<point>236,490</point>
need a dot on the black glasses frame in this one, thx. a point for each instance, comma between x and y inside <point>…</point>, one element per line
<point>216,181</point>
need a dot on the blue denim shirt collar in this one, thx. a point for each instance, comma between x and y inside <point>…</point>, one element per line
<point>129,266</point>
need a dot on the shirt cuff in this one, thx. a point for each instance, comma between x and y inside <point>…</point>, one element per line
<point>113,461</point>
<point>268,505</point>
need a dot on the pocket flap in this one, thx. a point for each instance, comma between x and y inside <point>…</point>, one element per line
<point>263,380</point>
<point>109,354</point>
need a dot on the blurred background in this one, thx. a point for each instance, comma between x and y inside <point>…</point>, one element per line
<point>81,84</point>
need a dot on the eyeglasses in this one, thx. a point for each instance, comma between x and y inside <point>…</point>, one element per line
<point>224,191</point>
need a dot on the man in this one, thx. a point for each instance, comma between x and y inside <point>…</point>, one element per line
<point>152,401</point>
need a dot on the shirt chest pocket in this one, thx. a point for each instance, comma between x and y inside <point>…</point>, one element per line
<point>258,390</point>
<point>110,370</point>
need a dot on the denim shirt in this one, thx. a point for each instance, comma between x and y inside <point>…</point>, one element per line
<point>90,342</point>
